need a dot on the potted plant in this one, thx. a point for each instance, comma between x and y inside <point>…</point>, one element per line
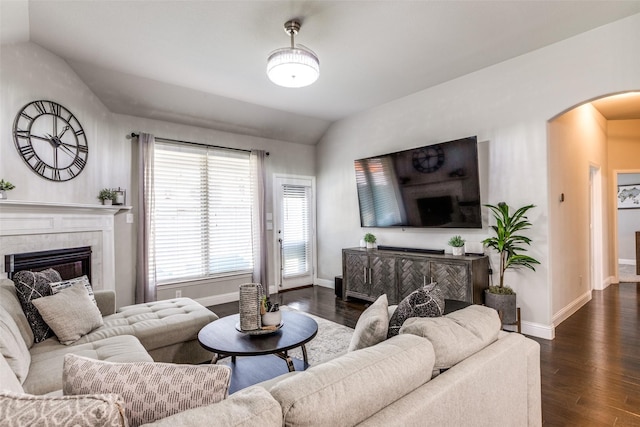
<point>457,245</point>
<point>370,240</point>
<point>4,187</point>
<point>107,196</point>
<point>509,244</point>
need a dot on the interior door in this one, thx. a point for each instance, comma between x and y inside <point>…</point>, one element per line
<point>295,231</point>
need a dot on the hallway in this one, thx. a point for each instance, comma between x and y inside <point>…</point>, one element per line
<point>591,371</point>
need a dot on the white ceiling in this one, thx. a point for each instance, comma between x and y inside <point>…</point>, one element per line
<point>203,62</point>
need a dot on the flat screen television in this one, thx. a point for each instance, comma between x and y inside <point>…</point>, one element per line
<point>433,186</point>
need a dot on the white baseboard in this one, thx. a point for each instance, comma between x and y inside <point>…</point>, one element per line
<point>547,332</point>
<point>571,308</point>
<point>627,261</point>
<point>325,283</point>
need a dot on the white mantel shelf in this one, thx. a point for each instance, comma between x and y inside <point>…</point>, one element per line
<point>35,206</point>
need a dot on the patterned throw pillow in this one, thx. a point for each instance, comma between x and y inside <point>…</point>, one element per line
<point>70,313</point>
<point>151,391</point>
<point>427,301</point>
<point>58,286</point>
<point>29,286</point>
<point>18,410</point>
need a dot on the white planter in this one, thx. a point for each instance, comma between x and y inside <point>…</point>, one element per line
<point>272,318</point>
<point>107,202</point>
<point>458,251</point>
<point>370,245</point>
<point>3,194</point>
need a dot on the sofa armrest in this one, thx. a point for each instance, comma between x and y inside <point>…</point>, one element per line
<point>106,300</point>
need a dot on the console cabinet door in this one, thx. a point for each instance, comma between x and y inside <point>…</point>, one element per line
<point>382,277</point>
<point>454,279</point>
<point>356,274</point>
<point>414,273</point>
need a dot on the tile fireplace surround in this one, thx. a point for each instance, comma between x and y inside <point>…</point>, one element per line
<point>27,226</point>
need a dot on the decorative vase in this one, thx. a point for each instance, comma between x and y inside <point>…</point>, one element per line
<point>458,250</point>
<point>363,244</point>
<point>3,195</point>
<point>272,318</point>
<point>503,304</point>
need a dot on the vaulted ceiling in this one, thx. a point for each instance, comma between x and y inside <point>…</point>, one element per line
<point>203,62</point>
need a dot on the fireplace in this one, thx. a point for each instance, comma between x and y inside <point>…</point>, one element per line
<point>70,263</point>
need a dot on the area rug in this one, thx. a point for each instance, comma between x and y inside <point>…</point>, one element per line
<point>331,341</point>
<point>627,273</point>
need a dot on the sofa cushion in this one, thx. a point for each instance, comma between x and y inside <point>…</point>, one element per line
<point>156,324</point>
<point>84,280</point>
<point>70,313</point>
<point>31,285</point>
<point>253,406</point>
<point>372,325</point>
<point>347,390</point>
<point>12,346</point>
<point>47,358</point>
<point>151,391</point>
<point>9,301</point>
<point>27,410</point>
<point>428,301</point>
<point>8,379</point>
<point>457,335</point>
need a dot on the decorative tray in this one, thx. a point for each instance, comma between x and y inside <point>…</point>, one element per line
<point>260,331</point>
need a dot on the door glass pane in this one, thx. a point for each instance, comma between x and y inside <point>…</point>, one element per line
<point>295,231</point>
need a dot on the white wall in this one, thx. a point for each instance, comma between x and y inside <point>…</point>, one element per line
<point>29,72</point>
<point>507,106</point>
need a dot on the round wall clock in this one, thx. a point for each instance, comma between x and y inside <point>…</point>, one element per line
<point>50,140</point>
<point>428,159</point>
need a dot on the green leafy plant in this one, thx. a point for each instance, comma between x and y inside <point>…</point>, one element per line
<point>369,238</point>
<point>508,241</point>
<point>107,194</point>
<point>6,185</point>
<point>456,242</point>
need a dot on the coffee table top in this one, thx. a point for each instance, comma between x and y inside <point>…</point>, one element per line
<point>221,336</point>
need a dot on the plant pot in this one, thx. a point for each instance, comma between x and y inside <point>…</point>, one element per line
<point>107,202</point>
<point>370,245</point>
<point>504,304</point>
<point>457,251</point>
<point>272,318</point>
<point>3,194</point>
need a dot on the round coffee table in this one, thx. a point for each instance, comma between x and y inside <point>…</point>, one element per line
<point>223,339</point>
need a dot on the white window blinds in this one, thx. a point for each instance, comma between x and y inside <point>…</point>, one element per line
<point>202,212</point>
<point>295,234</point>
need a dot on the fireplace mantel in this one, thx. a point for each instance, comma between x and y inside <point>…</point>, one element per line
<point>31,226</point>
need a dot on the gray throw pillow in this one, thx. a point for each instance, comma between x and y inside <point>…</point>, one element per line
<point>372,326</point>
<point>31,285</point>
<point>70,313</point>
<point>150,390</point>
<point>427,301</point>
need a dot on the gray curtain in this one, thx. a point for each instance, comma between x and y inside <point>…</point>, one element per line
<point>145,272</point>
<point>259,218</point>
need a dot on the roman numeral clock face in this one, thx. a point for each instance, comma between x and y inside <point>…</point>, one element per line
<point>50,140</point>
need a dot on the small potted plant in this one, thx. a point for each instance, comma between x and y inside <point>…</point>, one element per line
<point>508,243</point>
<point>370,240</point>
<point>4,187</point>
<point>271,315</point>
<point>107,196</point>
<point>457,245</point>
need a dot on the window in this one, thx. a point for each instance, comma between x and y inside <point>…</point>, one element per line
<point>202,212</point>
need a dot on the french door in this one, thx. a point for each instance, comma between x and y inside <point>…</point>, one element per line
<point>295,230</point>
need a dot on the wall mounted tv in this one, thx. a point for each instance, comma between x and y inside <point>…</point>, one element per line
<point>433,186</point>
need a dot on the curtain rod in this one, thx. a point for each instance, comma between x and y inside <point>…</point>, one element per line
<point>135,135</point>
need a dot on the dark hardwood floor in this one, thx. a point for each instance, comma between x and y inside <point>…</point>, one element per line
<point>590,371</point>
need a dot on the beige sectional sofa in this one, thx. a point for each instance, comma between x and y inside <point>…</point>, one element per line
<point>164,331</point>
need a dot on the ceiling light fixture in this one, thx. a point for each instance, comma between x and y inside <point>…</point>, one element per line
<point>294,66</point>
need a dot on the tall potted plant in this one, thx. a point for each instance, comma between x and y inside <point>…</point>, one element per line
<point>509,244</point>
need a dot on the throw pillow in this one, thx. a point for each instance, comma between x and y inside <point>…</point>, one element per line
<point>151,391</point>
<point>31,285</point>
<point>18,410</point>
<point>70,313</point>
<point>372,326</point>
<point>58,286</point>
<point>13,348</point>
<point>427,301</point>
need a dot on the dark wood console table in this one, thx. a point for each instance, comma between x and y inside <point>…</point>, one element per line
<point>369,273</point>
